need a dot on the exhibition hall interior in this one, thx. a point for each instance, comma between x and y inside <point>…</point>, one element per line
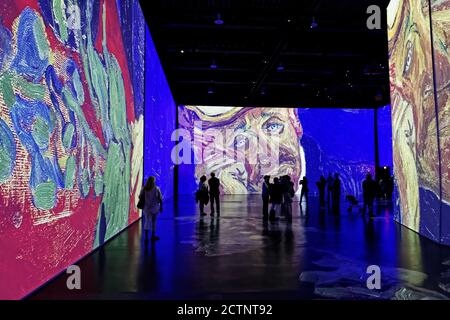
<point>224,149</point>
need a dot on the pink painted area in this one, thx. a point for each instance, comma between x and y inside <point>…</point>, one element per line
<point>33,250</point>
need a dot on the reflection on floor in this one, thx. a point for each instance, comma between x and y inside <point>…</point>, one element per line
<point>237,256</point>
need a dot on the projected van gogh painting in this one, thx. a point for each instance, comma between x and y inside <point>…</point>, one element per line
<point>421,135</point>
<point>71,131</point>
<point>275,141</point>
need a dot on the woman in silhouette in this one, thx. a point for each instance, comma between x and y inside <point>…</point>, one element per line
<point>152,206</point>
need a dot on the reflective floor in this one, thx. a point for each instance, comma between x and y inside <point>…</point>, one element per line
<point>237,256</point>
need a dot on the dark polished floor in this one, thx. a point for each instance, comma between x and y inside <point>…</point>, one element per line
<point>239,257</point>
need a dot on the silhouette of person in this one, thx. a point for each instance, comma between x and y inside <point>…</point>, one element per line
<point>288,194</point>
<point>202,195</point>
<point>336,194</point>
<point>276,198</point>
<point>305,190</point>
<point>369,192</point>
<point>321,185</point>
<point>330,185</point>
<point>214,193</point>
<point>266,197</point>
<point>152,206</point>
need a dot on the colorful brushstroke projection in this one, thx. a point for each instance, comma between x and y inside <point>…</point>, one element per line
<point>305,147</point>
<point>420,124</point>
<point>71,132</point>
<point>160,115</point>
<point>440,15</point>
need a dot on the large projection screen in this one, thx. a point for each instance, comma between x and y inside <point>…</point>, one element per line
<point>71,132</point>
<point>440,17</point>
<point>419,71</point>
<point>310,142</point>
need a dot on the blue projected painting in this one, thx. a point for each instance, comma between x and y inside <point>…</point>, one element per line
<point>385,136</point>
<point>298,142</point>
<point>160,122</point>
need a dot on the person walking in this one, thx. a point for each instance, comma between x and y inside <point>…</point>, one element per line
<point>214,193</point>
<point>152,198</point>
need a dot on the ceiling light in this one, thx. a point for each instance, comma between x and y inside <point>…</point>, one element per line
<point>211,90</point>
<point>213,65</point>
<point>181,51</point>
<point>218,21</point>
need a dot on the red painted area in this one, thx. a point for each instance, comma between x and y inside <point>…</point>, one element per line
<point>33,253</point>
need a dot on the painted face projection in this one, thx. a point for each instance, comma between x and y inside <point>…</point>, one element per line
<point>241,145</point>
<point>416,160</point>
<point>71,120</point>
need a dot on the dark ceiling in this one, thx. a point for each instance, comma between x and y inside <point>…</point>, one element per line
<point>266,53</point>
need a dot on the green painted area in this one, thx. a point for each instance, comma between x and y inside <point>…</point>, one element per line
<point>117,99</point>
<point>7,152</point>
<point>41,39</point>
<point>69,178</point>
<point>45,195</point>
<point>68,136</point>
<point>78,87</point>
<point>75,107</point>
<point>84,181</point>
<point>116,191</point>
<point>41,133</point>
<point>59,15</point>
<point>7,89</point>
<point>98,183</point>
<point>35,91</point>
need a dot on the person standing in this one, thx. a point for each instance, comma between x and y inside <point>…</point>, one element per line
<point>152,198</point>
<point>214,193</point>
<point>305,190</point>
<point>321,185</point>
<point>266,197</point>
<point>330,185</point>
<point>369,192</point>
<point>336,194</point>
<point>288,194</point>
<point>276,198</point>
<point>202,196</point>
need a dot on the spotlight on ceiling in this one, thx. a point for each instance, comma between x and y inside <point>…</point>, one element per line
<point>181,51</point>
<point>218,20</point>
<point>213,65</point>
<point>314,23</point>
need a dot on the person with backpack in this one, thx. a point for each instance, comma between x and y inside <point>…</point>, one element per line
<point>202,195</point>
<point>150,201</point>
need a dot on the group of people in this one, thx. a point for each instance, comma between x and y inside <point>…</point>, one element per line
<point>331,188</point>
<point>280,194</point>
<point>208,192</point>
